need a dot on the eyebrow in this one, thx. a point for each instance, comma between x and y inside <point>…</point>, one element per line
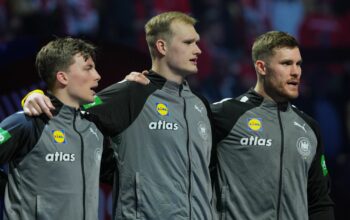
<point>195,39</point>
<point>290,60</point>
<point>90,65</point>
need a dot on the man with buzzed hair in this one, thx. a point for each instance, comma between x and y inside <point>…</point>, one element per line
<point>270,156</point>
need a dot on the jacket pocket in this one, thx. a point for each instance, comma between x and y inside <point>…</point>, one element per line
<point>128,203</point>
<point>223,202</point>
<point>58,207</point>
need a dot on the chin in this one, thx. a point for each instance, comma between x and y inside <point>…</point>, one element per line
<point>290,94</point>
<point>192,72</point>
<point>89,100</point>
<point>293,96</point>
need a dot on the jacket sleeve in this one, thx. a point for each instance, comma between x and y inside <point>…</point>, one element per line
<point>319,201</point>
<point>14,131</point>
<point>117,106</point>
<point>108,162</point>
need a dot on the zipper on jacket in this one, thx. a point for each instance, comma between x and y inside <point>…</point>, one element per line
<point>82,162</point>
<point>281,165</point>
<point>189,158</point>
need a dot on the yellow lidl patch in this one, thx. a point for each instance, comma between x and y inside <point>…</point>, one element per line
<point>59,136</point>
<point>254,124</point>
<point>162,109</point>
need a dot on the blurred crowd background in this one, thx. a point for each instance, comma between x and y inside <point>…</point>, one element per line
<point>227,29</point>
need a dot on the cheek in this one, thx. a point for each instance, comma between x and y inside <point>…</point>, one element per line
<point>277,78</point>
<point>178,53</point>
<point>81,80</point>
<point>274,82</point>
<point>175,59</point>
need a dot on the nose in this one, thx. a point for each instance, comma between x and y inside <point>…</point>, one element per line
<point>296,70</point>
<point>98,77</point>
<point>197,50</point>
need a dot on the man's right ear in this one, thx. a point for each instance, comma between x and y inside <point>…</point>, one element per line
<point>161,46</point>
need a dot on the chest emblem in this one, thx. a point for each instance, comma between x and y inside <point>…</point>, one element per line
<point>203,130</point>
<point>58,136</point>
<point>254,124</point>
<point>162,109</point>
<point>304,147</point>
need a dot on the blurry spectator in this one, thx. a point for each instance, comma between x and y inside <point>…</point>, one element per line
<point>342,37</point>
<point>35,17</point>
<point>80,17</point>
<point>255,14</point>
<point>228,13</point>
<point>118,21</point>
<point>325,107</point>
<point>287,15</point>
<point>247,75</point>
<point>328,117</point>
<point>215,77</point>
<point>146,9</point>
<point>52,17</point>
<point>319,26</point>
<point>212,44</point>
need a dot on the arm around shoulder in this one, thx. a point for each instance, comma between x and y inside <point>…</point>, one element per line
<point>13,131</point>
<point>36,103</point>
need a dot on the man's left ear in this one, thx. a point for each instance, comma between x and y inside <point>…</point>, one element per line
<point>260,67</point>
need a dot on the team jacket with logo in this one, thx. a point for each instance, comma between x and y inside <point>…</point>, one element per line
<point>54,166</point>
<point>163,145</point>
<point>270,162</point>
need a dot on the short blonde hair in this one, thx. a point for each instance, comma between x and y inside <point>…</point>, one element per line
<point>264,45</point>
<point>159,27</point>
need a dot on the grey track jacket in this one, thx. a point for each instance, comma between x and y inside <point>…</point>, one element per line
<point>163,141</point>
<point>54,166</point>
<point>270,163</point>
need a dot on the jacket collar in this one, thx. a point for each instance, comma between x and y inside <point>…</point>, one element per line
<point>60,106</point>
<point>168,86</point>
<point>258,99</point>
